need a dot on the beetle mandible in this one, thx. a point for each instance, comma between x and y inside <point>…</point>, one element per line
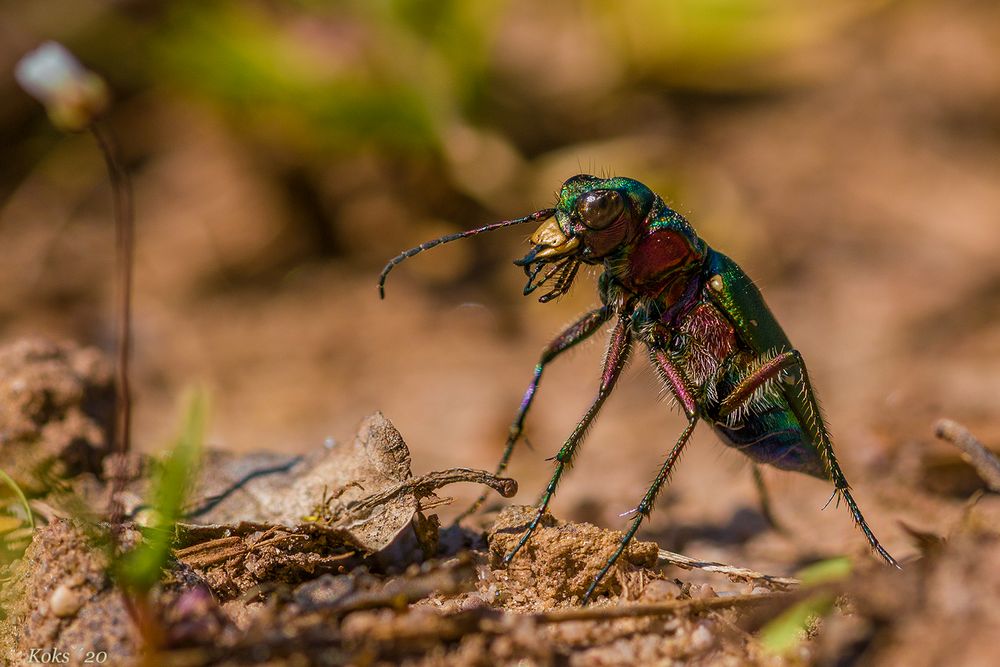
<point>705,326</point>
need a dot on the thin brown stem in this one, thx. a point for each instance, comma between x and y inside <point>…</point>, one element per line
<point>124,257</point>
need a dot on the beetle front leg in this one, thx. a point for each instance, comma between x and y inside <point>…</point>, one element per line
<point>770,371</point>
<point>615,359</point>
<point>575,333</point>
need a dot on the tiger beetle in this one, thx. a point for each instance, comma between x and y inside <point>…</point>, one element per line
<point>708,333</point>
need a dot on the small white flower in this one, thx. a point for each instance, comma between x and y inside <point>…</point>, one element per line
<point>72,95</point>
<point>47,70</point>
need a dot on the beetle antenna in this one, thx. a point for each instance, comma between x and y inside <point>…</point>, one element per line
<point>544,214</point>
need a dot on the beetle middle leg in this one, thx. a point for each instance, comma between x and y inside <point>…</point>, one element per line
<point>764,499</point>
<point>646,505</point>
<point>786,361</point>
<point>575,333</point>
<point>681,388</point>
<point>615,359</point>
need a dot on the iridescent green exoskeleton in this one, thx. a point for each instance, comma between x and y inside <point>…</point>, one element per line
<point>704,325</point>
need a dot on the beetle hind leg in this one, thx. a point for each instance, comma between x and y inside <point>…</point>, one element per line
<point>767,373</point>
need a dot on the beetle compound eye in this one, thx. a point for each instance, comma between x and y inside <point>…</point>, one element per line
<point>600,208</point>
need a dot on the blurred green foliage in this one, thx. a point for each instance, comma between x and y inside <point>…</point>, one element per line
<point>395,74</point>
<point>387,74</point>
<point>724,45</point>
<point>466,91</point>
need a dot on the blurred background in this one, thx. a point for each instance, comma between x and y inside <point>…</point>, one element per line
<point>846,154</point>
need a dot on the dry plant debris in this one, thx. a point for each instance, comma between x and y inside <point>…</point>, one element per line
<point>364,489</point>
<point>732,571</point>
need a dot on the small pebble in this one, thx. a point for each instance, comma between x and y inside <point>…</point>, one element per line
<point>701,638</point>
<point>671,625</point>
<point>65,602</point>
<point>661,589</point>
<point>474,601</point>
<point>702,591</point>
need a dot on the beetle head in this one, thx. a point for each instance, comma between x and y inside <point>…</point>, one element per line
<point>596,220</point>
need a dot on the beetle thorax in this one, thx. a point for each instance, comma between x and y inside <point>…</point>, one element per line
<point>709,339</point>
<point>700,344</point>
<point>659,261</point>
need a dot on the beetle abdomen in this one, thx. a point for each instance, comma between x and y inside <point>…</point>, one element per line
<point>775,437</point>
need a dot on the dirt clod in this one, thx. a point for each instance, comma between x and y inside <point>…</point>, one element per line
<point>56,402</point>
<point>559,562</point>
<point>39,602</point>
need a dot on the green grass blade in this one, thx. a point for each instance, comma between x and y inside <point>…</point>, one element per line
<point>788,629</point>
<point>9,481</point>
<point>141,568</point>
<point>825,571</point>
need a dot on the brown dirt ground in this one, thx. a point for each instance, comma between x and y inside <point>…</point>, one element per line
<point>254,581</point>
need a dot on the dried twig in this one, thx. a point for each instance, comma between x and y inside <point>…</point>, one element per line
<point>213,552</point>
<point>983,460</point>
<point>732,571</point>
<point>425,485</point>
<point>671,608</point>
<point>450,579</point>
